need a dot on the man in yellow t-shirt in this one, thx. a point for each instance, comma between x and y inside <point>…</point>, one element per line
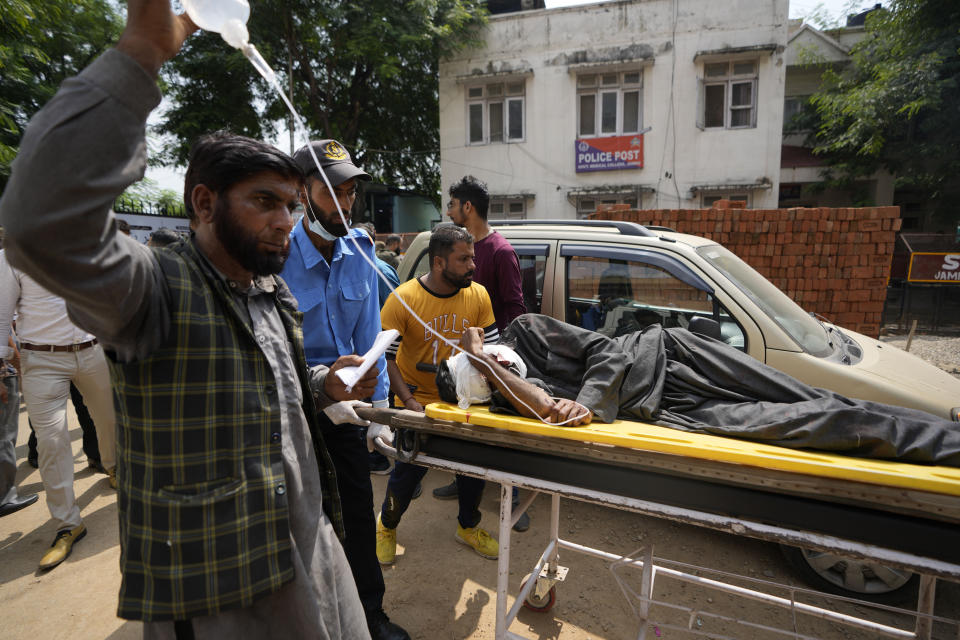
<point>449,302</point>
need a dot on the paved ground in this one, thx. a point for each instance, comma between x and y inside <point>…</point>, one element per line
<point>437,588</point>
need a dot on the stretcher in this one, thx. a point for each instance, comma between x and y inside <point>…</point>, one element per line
<point>900,515</point>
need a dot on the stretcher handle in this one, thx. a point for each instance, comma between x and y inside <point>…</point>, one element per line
<point>384,415</point>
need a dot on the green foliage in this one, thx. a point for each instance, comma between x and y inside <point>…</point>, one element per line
<point>147,193</point>
<point>43,42</point>
<point>363,73</point>
<point>897,106</point>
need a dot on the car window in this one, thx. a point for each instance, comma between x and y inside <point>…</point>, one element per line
<point>806,331</point>
<point>615,296</point>
<point>533,265</point>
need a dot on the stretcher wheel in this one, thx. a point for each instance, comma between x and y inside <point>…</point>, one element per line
<point>540,605</point>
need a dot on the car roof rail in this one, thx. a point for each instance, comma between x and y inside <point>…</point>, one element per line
<point>659,228</point>
<point>625,228</point>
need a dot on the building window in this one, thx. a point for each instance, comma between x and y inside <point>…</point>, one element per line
<point>507,209</point>
<point>729,95</point>
<point>495,113</point>
<point>609,104</point>
<point>709,199</point>
<point>588,205</point>
<point>793,106</point>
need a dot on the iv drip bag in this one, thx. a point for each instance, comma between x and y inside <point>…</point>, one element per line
<point>226,17</point>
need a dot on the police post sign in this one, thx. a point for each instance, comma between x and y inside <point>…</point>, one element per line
<point>939,268</point>
<point>609,154</point>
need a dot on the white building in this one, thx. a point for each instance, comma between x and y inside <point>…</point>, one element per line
<point>654,103</point>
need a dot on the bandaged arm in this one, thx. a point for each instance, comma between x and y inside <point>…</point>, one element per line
<point>529,400</point>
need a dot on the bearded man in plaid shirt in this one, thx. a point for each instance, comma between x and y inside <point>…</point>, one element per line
<point>229,516</point>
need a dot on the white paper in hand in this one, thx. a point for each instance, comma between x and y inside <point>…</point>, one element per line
<point>350,375</point>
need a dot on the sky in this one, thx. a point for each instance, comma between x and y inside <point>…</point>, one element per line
<point>798,8</point>
<point>173,178</point>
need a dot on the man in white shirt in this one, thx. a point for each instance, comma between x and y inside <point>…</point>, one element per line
<point>54,353</point>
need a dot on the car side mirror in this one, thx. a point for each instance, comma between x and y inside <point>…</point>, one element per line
<point>705,327</point>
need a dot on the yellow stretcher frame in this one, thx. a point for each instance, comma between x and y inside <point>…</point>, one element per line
<point>648,437</point>
<point>913,483</point>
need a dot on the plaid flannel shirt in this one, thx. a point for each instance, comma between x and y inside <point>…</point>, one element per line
<point>202,505</point>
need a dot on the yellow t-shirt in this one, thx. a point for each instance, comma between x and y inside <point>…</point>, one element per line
<point>448,315</point>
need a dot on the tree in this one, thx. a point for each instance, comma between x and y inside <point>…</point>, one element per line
<point>43,42</point>
<point>897,105</point>
<point>147,194</point>
<point>363,73</point>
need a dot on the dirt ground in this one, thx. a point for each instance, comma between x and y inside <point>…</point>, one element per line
<point>439,589</point>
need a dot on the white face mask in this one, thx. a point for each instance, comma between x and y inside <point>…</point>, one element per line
<point>472,387</point>
<point>314,225</point>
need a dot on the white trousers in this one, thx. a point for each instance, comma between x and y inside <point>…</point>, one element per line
<point>46,391</point>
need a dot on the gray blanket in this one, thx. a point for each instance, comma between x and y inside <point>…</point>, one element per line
<point>678,379</point>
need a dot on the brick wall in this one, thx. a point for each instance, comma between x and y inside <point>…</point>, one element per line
<point>834,262</point>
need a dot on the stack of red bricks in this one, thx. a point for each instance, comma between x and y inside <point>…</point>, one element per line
<point>834,262</point>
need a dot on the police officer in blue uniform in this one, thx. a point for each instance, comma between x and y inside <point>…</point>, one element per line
<point>337,292</point>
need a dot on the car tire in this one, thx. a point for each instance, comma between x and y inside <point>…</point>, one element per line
<point>853,578</point>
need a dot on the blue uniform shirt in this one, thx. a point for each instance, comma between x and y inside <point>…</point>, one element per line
<point>391,274</point>
<point>339,301</point>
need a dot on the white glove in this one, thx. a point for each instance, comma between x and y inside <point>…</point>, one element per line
<point>340,412</point>
<point>382,431</point>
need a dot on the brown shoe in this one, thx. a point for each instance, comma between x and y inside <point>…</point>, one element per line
<point>61,547</point>
<point>112,478</point>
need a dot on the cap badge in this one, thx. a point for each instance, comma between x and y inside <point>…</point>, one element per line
<point>334,151</point>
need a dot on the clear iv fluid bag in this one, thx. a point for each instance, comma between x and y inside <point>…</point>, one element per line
<point>229,19</point>
<point>226,17</point>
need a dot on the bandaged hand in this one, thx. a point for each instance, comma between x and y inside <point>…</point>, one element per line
<point>345,412</point>
<point>382,431</point>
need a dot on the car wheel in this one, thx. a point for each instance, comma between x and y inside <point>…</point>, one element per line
<point>854,578</point>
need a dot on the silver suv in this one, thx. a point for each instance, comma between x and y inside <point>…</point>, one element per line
<point>615,277</point>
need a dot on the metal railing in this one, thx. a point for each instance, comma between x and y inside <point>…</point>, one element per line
<point>143,208</point>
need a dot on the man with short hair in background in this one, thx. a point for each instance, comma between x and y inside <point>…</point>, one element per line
<point>498,270</point>
<point>391,250</point>
<point>162,237</point>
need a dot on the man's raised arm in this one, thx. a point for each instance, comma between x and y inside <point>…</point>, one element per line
<point>78,154</point>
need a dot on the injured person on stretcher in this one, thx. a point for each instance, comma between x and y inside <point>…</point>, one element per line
<point>675,378</point>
